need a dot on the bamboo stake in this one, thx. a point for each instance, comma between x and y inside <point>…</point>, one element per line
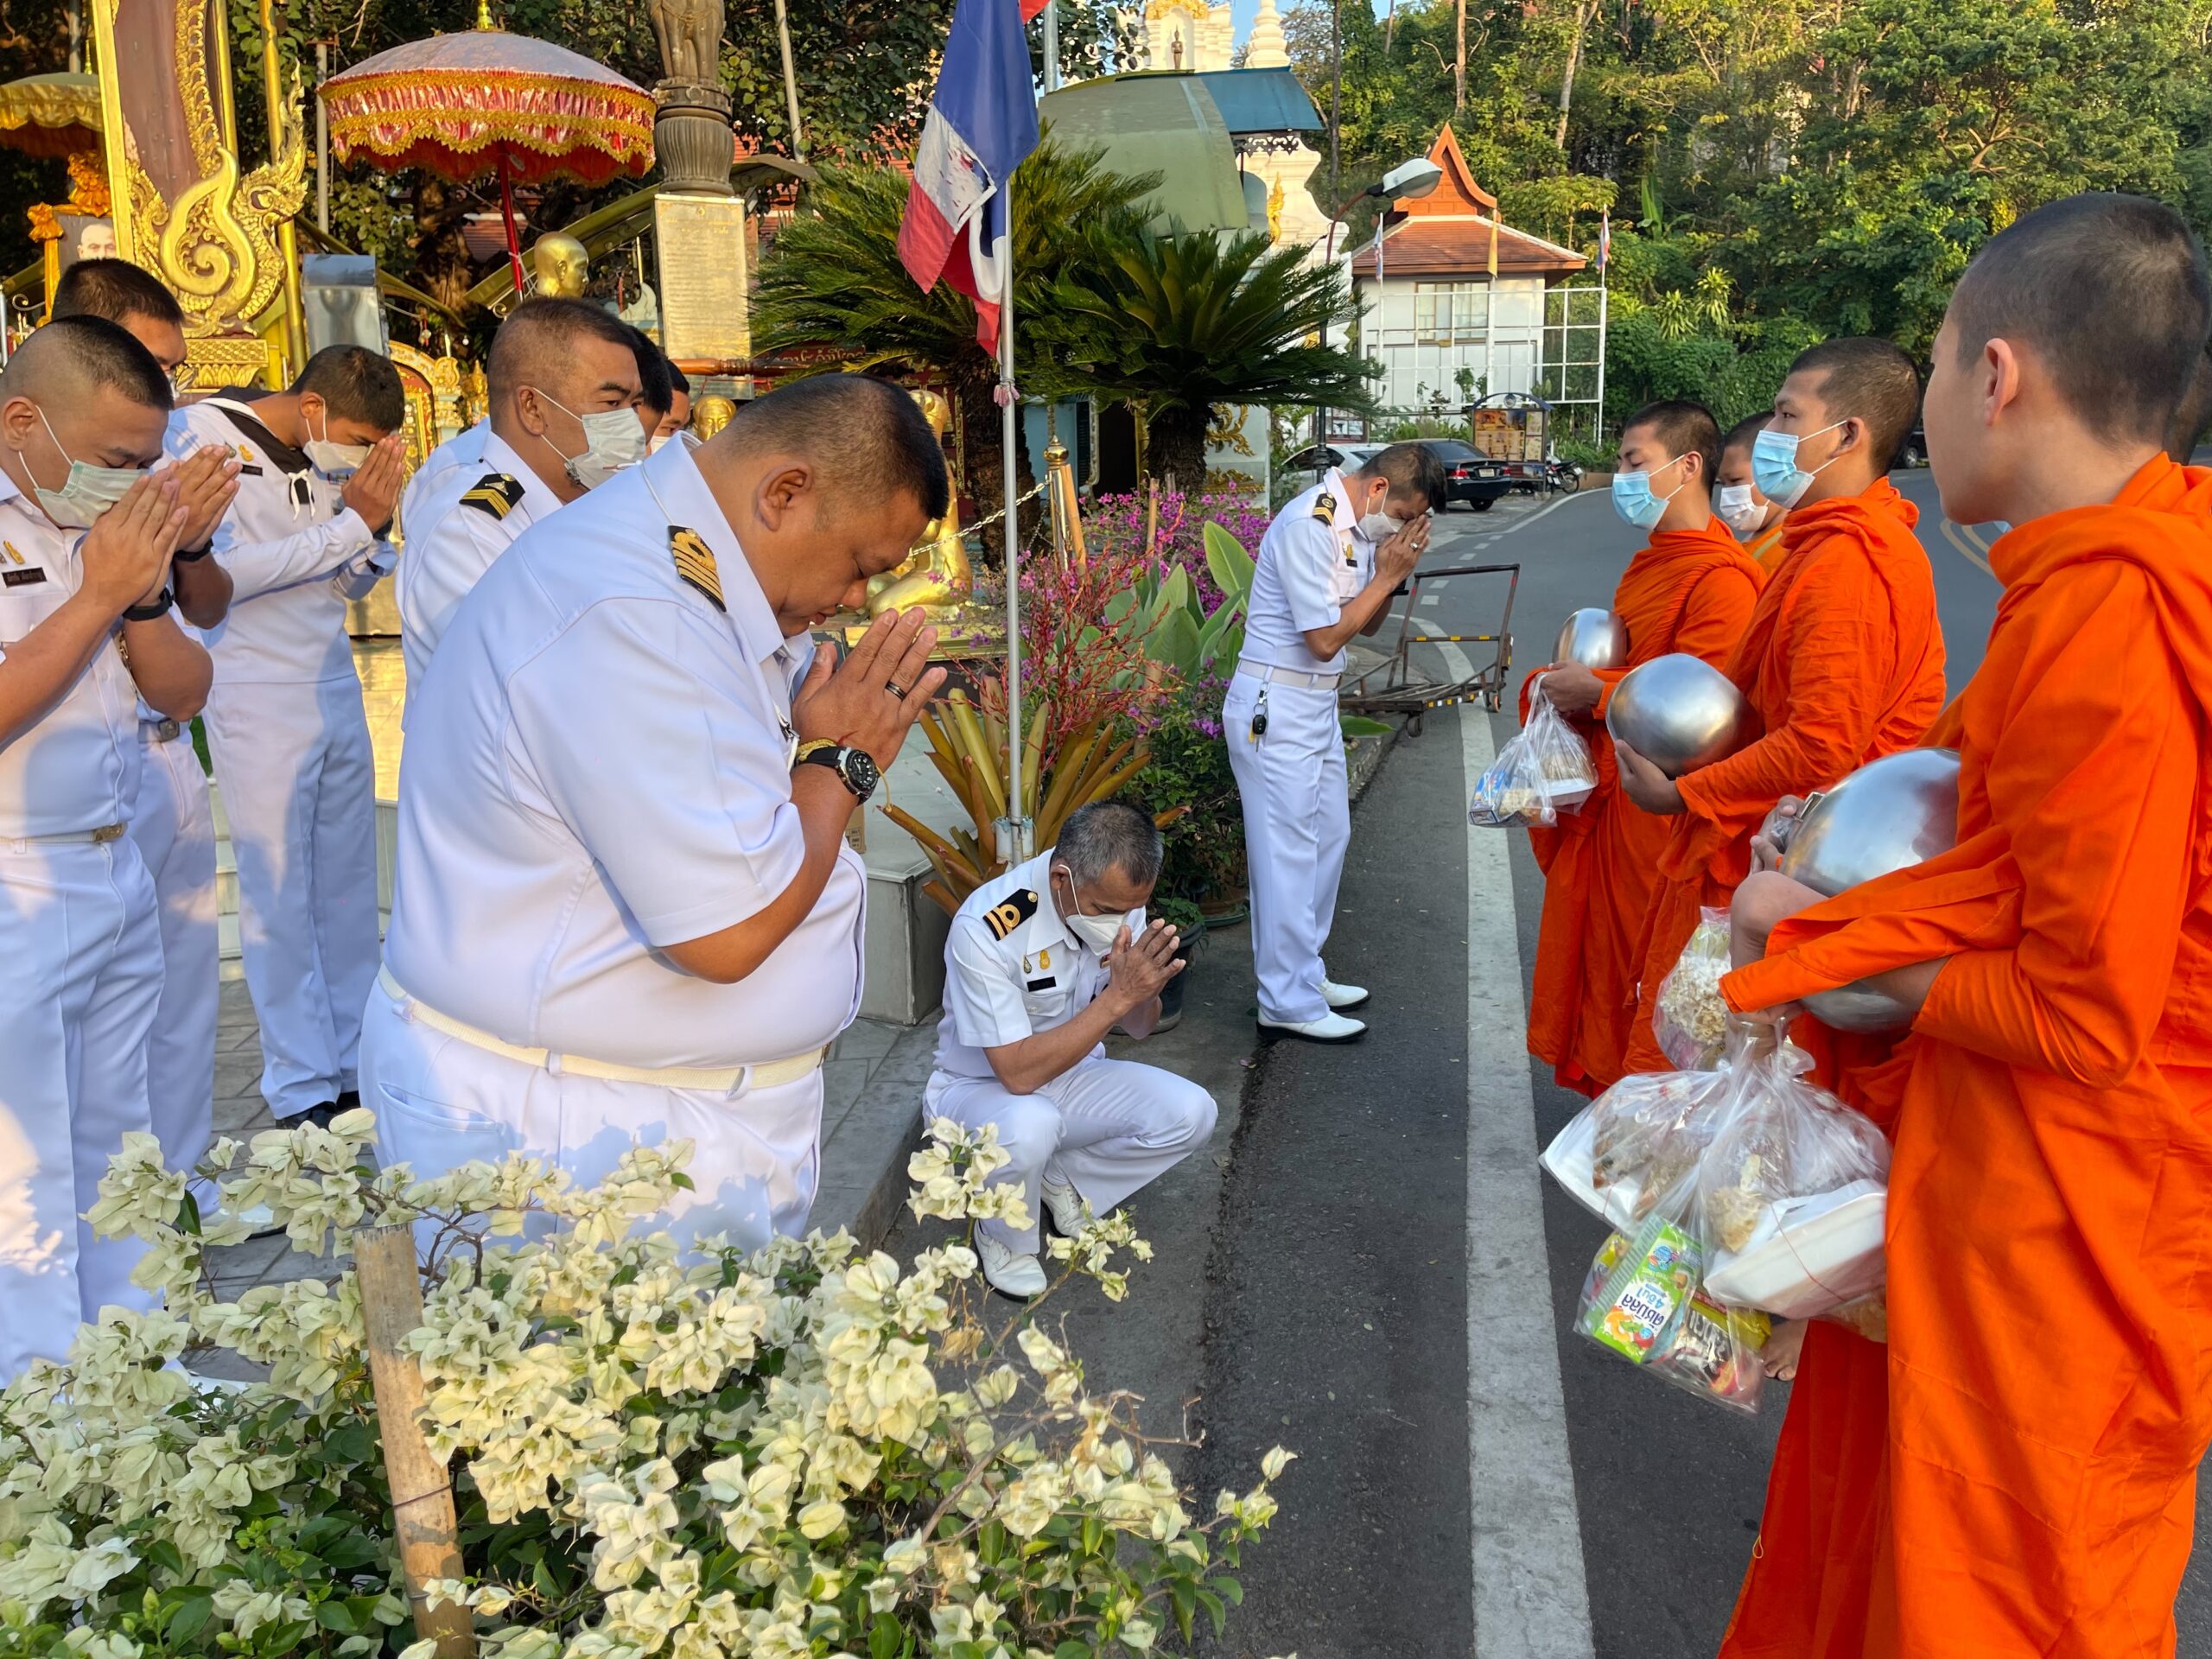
<point>422,1486</point>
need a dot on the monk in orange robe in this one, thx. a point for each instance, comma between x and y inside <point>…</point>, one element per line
<point>2015,1472</point>
<point>1690,589</point>
<point>1755,521</point>
<point>1843,660</point>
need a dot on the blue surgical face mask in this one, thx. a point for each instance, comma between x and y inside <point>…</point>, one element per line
<point>1775,469</point>
<point>1634,500</point>
<point>86,492</point>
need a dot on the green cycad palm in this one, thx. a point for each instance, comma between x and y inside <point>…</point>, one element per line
<point>1183,323</point>
<point>833,277</point>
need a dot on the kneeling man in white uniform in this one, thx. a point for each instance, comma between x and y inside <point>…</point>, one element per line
<point>1042,964</point>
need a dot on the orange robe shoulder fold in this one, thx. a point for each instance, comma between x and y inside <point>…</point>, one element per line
<point>2015,1473</point>
<point>1686,591</point>
<point>1843,661</point>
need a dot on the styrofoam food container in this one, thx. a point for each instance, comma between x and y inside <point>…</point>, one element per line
<point>1809,1257</point>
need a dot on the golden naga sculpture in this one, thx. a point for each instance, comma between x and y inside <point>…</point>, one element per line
<point>937,575</point>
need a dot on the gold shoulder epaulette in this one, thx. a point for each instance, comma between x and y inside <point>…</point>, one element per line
<point>495,493</point>
<point>1324,509</point>
<point>694,563</point>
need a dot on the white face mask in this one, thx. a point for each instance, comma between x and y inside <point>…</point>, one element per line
<point>1735,506</point>
<point>86,492</point>
<point>335,462</point>
<point>1099,932</point>
<point>613,440</point>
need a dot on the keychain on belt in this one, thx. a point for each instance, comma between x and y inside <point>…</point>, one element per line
<point>1260,717</point>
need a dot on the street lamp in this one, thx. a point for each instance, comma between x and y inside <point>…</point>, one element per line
<point>1417,177</point>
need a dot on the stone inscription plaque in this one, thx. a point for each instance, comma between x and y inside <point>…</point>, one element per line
<point>702,276</point>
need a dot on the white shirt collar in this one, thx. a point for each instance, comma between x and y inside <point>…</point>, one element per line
<point>499,457</point>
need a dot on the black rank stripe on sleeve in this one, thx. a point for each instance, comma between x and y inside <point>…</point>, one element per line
<point>1011,912</point>
<point>496,493</point>
<point>694,563</point>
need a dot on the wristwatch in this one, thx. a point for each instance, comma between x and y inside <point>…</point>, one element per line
<point>853,767</point>
<point>192,554</point>
<point>157,607</point>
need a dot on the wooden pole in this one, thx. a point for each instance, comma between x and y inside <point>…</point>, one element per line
<point>422,1486</point>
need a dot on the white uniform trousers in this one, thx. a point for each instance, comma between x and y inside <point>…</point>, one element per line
<point>299,789</point>
<point>81,969</point>
<point>175,832</point>
<point>1297,820</point>
<point>440,1102</point>
<point>1105,1126</point>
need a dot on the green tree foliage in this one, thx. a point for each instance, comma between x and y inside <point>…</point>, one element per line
<point>1777,170</point>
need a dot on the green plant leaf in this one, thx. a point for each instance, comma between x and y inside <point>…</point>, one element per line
<point>1362,726</point>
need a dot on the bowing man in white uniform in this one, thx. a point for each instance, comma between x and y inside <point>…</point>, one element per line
<point>319,469</point>
<point>563,384</point>
<point>1042,964</point>
<point>85,630</point>
<point>625,912</point>
<point>171,819</point>
<point>1326,570</point>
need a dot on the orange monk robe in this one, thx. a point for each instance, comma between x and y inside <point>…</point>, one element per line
<point>1691,591</point>
<point>2017,1472</point>
<point>1767,548</point>
<point>1843,661</point>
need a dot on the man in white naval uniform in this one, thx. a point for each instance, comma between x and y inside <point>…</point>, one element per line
<point>1326,570</point>
<point>171,818</point>
<point>85,630</point>
<point>319,469</point>
<point>1042,961</point>
<point>559,370</point>
<point>625,912</point>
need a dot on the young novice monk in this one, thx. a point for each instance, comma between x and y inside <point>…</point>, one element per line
<point>2016,1473</point>
<point>1755,521</point>
<point>1691,589</point>
<point>1843,660</point>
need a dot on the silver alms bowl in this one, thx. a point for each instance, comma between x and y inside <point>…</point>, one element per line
<point>1899,811</point>
<point>1891,813</point>
<point>1678,712</point>
<point>1594,638</point>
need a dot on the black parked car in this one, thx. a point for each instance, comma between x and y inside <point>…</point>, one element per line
<point>1469,475</point>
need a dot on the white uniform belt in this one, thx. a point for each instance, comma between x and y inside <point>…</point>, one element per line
<point>100,836</point>
<point>161,731</point>
<point>719,1079</point>
<point>1289,677</point>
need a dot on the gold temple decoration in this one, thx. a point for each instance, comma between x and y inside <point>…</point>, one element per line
<point>218,241</point>
<point>710,414</point>
<point>936,574</point>
<point>88,199</point>
<point>560,266</point>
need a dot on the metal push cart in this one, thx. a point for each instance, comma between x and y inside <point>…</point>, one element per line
<point>1400,692</point>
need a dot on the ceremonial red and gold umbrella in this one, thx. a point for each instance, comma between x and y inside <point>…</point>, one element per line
<point>484,100</point>
<point>51,115</point>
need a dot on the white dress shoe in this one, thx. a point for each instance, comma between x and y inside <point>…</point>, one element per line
<point>1329,1028</point>
<point>1341,997</point>
<point>1019,1276</point>
<point>1065,1205</point>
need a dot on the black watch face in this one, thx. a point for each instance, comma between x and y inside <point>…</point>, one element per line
<point>859,771</point>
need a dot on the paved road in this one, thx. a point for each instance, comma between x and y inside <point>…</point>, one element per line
<point>1387,1278</point>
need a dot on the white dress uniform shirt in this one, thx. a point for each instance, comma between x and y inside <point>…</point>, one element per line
<point>599,767</point>
<point>1107,1128</point>
<point>456,526</point>
<point>80,964</point>
<point>464,449</point>
<point>1310,561</point>
<point>292,754</point>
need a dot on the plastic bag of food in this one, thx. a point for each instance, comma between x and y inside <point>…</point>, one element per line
<point>1642,1300</point>
<point>1791,1193</point>
<point>1691,1019</point>
<point>1605,1153</point>
<point>1544,770</point>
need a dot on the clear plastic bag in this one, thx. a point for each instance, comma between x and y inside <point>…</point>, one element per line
<point>1643,1300</point>
<point>1691,1020</point>
<point>1791,1194</point>
<point>1544,770</point>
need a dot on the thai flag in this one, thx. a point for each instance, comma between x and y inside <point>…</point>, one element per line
<point>983,121</point>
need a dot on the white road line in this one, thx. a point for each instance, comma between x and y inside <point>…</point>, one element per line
<point>1531,1597</point>
<point>1552,506</point>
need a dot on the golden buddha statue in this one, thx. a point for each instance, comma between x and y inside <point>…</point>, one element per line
<point>936,575</point>
<point>709,415</point>
<point>560,265</point>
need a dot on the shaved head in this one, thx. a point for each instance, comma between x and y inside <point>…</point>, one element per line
<point>1682,428</point>
<point>1746,432</point>
<point>80,390</point>
<point>863,436</point>
<point>1868,379</point>
<point>74,358</point>
<point>2109,294</point>
<point>537,346</point>
<point>2195,413</point>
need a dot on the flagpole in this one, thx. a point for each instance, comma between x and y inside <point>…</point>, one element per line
<point>1010,538</point>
